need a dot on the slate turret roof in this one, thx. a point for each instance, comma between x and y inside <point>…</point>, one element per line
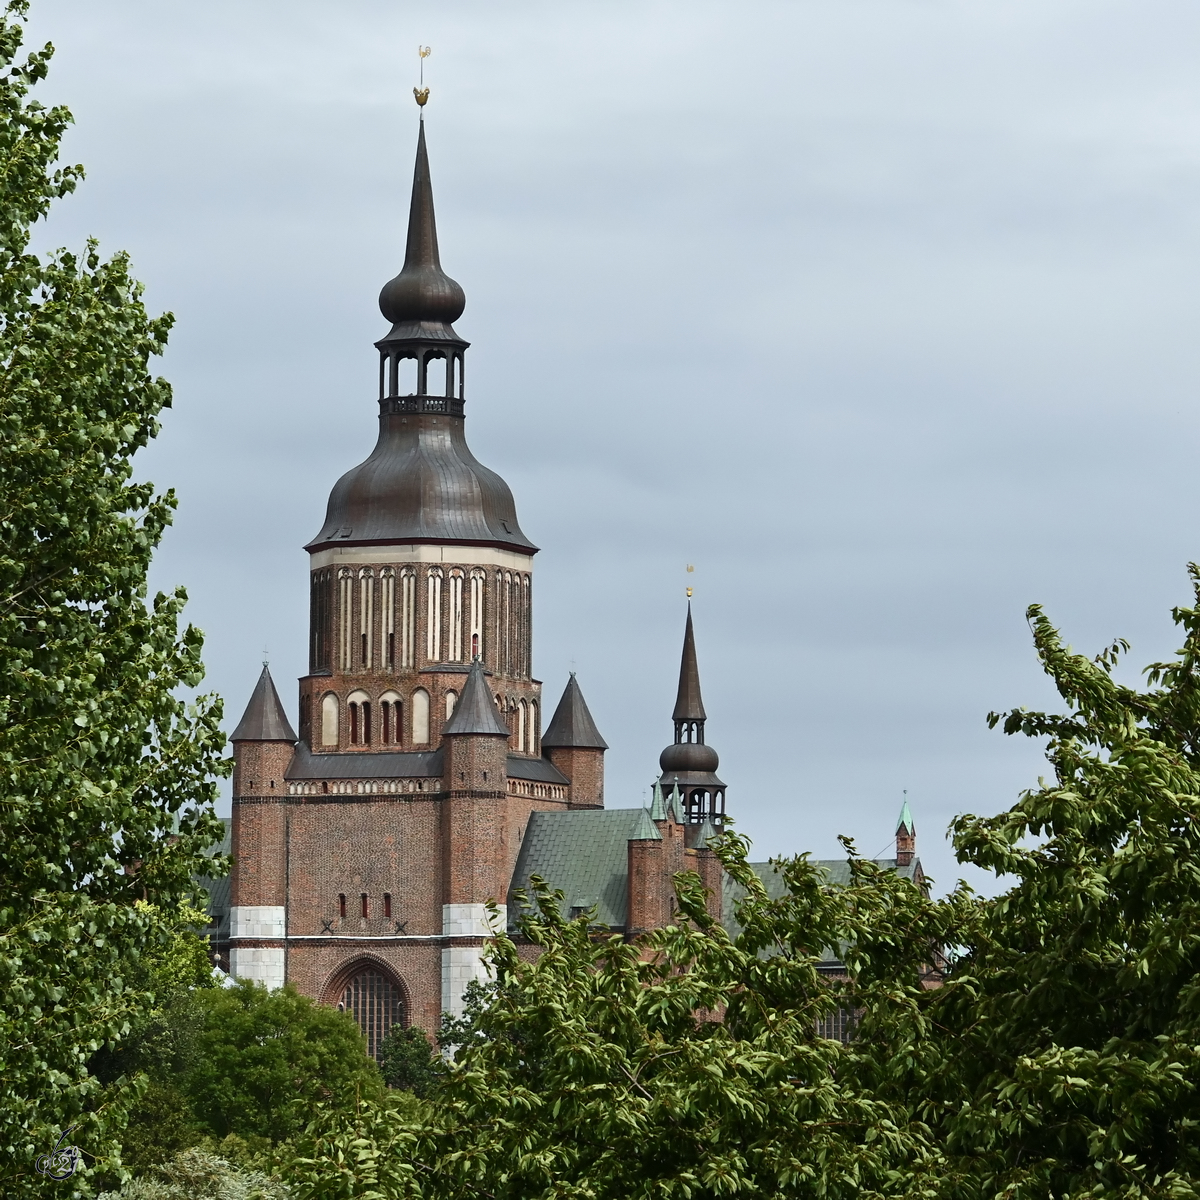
<point>475,711</point>
<point>572,725</point>
<point>264,719</point>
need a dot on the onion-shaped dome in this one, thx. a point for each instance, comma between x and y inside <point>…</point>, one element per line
<point>422,295</point>
<point>686,757</point>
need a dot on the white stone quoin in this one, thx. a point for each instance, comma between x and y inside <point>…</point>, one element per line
<point>461,964</point>
<point>263,964</point>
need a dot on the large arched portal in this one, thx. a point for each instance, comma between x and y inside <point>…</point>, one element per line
<point>374,997</point>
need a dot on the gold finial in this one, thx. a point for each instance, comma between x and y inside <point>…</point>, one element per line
<point>690,570</point>
<point>421,93</point>
<point>689,592</point>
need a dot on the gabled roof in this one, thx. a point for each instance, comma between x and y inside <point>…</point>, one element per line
<point>475,711</point>
<point>572,725</point>
<point>264,719</point>
<point>585,855</point>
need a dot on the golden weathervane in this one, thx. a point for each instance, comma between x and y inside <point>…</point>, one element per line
<point>422,92</point>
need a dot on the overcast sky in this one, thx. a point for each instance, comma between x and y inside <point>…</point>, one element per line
<point>880,312</point>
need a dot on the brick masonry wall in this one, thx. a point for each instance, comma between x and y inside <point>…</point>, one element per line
<point>585,770</point>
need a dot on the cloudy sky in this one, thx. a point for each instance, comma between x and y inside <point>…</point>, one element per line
<point>880,312</point>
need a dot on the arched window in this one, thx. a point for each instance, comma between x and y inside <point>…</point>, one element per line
<point>535,732</point>
<point>522,718</point>
<point>478,581</point>
<point>345,608</point>
<point>329,720</point>
<point>451,701</point>
<point>420,717</point>
<point>391,718</point>
<point>408,617</point>
<point>366,616</point>
<point>320,620</point>
<point>526,639</point>
<point>387,603</point>
<point>433,615</point>
<point>376,1002</point>
<point>456,616</point>
<point>360,718</point>
<point>435,377</point>
<point>506,616</point>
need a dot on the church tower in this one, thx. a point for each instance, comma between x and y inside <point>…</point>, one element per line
<point>370,850</point>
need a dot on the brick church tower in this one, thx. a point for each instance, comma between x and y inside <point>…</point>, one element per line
<point>367,850</point>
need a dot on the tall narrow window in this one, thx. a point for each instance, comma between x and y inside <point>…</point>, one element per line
<point>456,616</point>
<point>363,902</point>
<point>387,603</point>
<point>420,717</point>
<point>359,704</point>
<point>451,701</point>
<point>535,733</point>
<point>320,620</point>
<point>526,640</point>
<point>408,617</point>
<point>387,905</point>
<point>478,581</point>
<point>341,906</point>
<point>391,714</point>
<point>433,616</point>
<point>329,720</point>
<point>366,617</point>
<point>522,719</point>
<point>345,623</point>
<point>506,613</point>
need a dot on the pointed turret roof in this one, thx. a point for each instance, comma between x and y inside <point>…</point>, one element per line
<point>422,301</point>
<point>675,806</point>
<point>644,830</point>
<point>658,807</point>
<point>572,725</point>
<point>707,832</point>
<point>688,705</point>
<point>906,820</point>
<point>475,711</point>
<point>264,719</point>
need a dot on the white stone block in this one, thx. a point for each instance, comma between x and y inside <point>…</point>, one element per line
<point>262,964</point>
<point>258,921</point>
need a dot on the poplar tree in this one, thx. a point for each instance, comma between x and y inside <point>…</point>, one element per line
<point>106,775</point>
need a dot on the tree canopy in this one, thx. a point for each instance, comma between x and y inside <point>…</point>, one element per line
<point>106,774</point>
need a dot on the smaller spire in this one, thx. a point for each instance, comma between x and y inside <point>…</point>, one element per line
<point>906,821</point>
<point>688,704</point>
<point>676,806</point>
<point>906,836</point>
<point>705,834</point>
<point>475,711</point>
<point>572,726</point>
<point>264,719</point>
<point>658,808</point>
<point>644,830</point>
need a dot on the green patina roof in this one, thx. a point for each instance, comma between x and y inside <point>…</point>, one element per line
<point>584,855</point>
<point>906,821</point>
<point>836,869</point>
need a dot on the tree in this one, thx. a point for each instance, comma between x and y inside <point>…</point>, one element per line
<point>265,1060</point>
<point>107,776</point>
<point>408,1062</point>
<point>1063,1055</point>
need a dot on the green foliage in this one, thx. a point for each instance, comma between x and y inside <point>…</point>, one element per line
<point>408,1062</point>
<point>106,775</point>
<point>199,1175</point>
<point>1067,1045</point>
<point>265,1060</point>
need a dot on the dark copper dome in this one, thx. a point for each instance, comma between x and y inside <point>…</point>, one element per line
<point>688,756</point>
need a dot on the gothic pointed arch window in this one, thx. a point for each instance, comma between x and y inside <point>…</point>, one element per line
<point>522,723</point>
<point>374,997</point>
<point>366,617</point>
<point>451,701</point>
<point>433,615</point>
<point>535,733</point>
<point>525,641</point>
<point>345,619</point>
<point>408,617</point>
<point>456,616</point>
<point>387,608</point>
<point>329,719</point>
<point>420,717</point>
<point>478,584</point>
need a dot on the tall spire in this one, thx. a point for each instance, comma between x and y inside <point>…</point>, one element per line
<point>688,704</point>
<point>422,301</point>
